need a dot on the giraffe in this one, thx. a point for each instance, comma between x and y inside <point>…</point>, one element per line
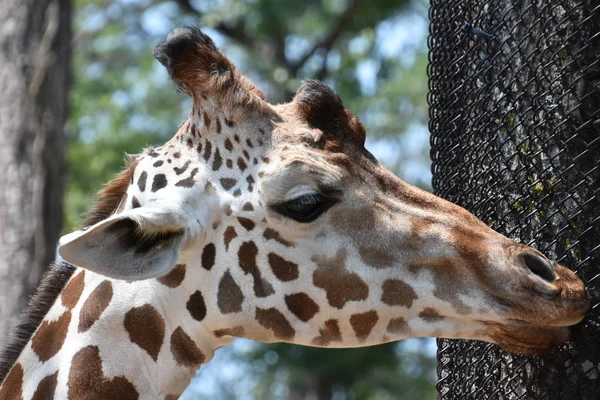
<point>273,223</point>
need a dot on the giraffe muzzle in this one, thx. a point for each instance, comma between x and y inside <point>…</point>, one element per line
<point>541,302</point>
<point>553,299</point>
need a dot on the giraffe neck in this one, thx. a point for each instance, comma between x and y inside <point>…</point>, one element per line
<point>116,339</point>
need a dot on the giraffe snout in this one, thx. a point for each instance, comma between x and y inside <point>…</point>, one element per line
<point>556,296</point>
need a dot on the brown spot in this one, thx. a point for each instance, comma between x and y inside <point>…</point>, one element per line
<point>241,164</point>
<point>94,306</point>
<point>341,286</point>
<point>208,256</point>
<point>227,183</point>
<point>46,387</point>
<point>228,236</point>
<point>228,144</point>
<point>70,295</point>
<point>217,161</point>
<point>430,315</point>
<point>375,257</point>
<point>174,277</point>
<point>246,223</point>
<point>12,387</point>
<point>184,349</point>
<point>236,331</point>
<point>274,320</point>
<point>302,306</point>
<point>206,118</point>
<point>142,181</point>
<point>397,293</point>
<point>247,260</point>
<point>159,182</point>
<point>248,207</point>
<point>237,193</point>
<point>207,151</point>
<point>146,328</point>
<point>273,234</point>
<point>177,154</point>
<point>397,325</point>
<point>284,270</point>
<point>189,181</point>
<point>218,125</point>
<point>469,238</point>
<point>229,123</point>
<point>50,336</point>
<point>422,224</point>
<point>86,378</point>
<point>266,160</point>
<point>135,203</point>
<point>229,295</point>
<point>195,305</point>
<point>363,324</point>
<point>229,163</point>
<point>184,168</point>
<point>330,332</point>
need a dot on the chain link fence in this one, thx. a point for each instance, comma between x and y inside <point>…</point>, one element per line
<point>515,124</point>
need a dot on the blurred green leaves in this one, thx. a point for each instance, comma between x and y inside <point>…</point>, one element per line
<point>368,373</point>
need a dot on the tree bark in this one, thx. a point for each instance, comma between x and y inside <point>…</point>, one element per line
<point>35,41</point>
<point>515,122</point>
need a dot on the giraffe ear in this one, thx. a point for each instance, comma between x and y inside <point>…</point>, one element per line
<point>140,244</point>
<point>200,69</point>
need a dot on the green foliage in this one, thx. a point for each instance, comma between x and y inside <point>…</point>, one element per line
<point>122,101</point>
<point>378,372</point>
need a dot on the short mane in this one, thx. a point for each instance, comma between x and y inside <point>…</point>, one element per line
<point>53,282</point>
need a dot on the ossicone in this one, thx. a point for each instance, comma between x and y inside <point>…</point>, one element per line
<point>202,71</point>
<point>323,109</point>
<point>193,61</point>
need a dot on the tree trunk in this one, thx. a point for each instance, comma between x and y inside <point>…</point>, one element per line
<point>35,41</point>
<point>515,122</point>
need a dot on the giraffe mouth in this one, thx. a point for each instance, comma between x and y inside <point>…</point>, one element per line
<point>560,304</point>
<point>521,337</point>
<point>537,326</point>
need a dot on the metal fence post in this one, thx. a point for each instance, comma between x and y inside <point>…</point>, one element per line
<point>515,132</point>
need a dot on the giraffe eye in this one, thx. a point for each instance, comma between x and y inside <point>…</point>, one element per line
<point>305,208</point>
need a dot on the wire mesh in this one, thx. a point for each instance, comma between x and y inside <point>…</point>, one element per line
<point>515,122</point>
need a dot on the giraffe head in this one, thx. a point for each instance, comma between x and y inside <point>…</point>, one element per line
<point>278,224</point>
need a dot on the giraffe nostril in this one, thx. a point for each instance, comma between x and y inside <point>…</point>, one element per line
<point>539,266</point>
